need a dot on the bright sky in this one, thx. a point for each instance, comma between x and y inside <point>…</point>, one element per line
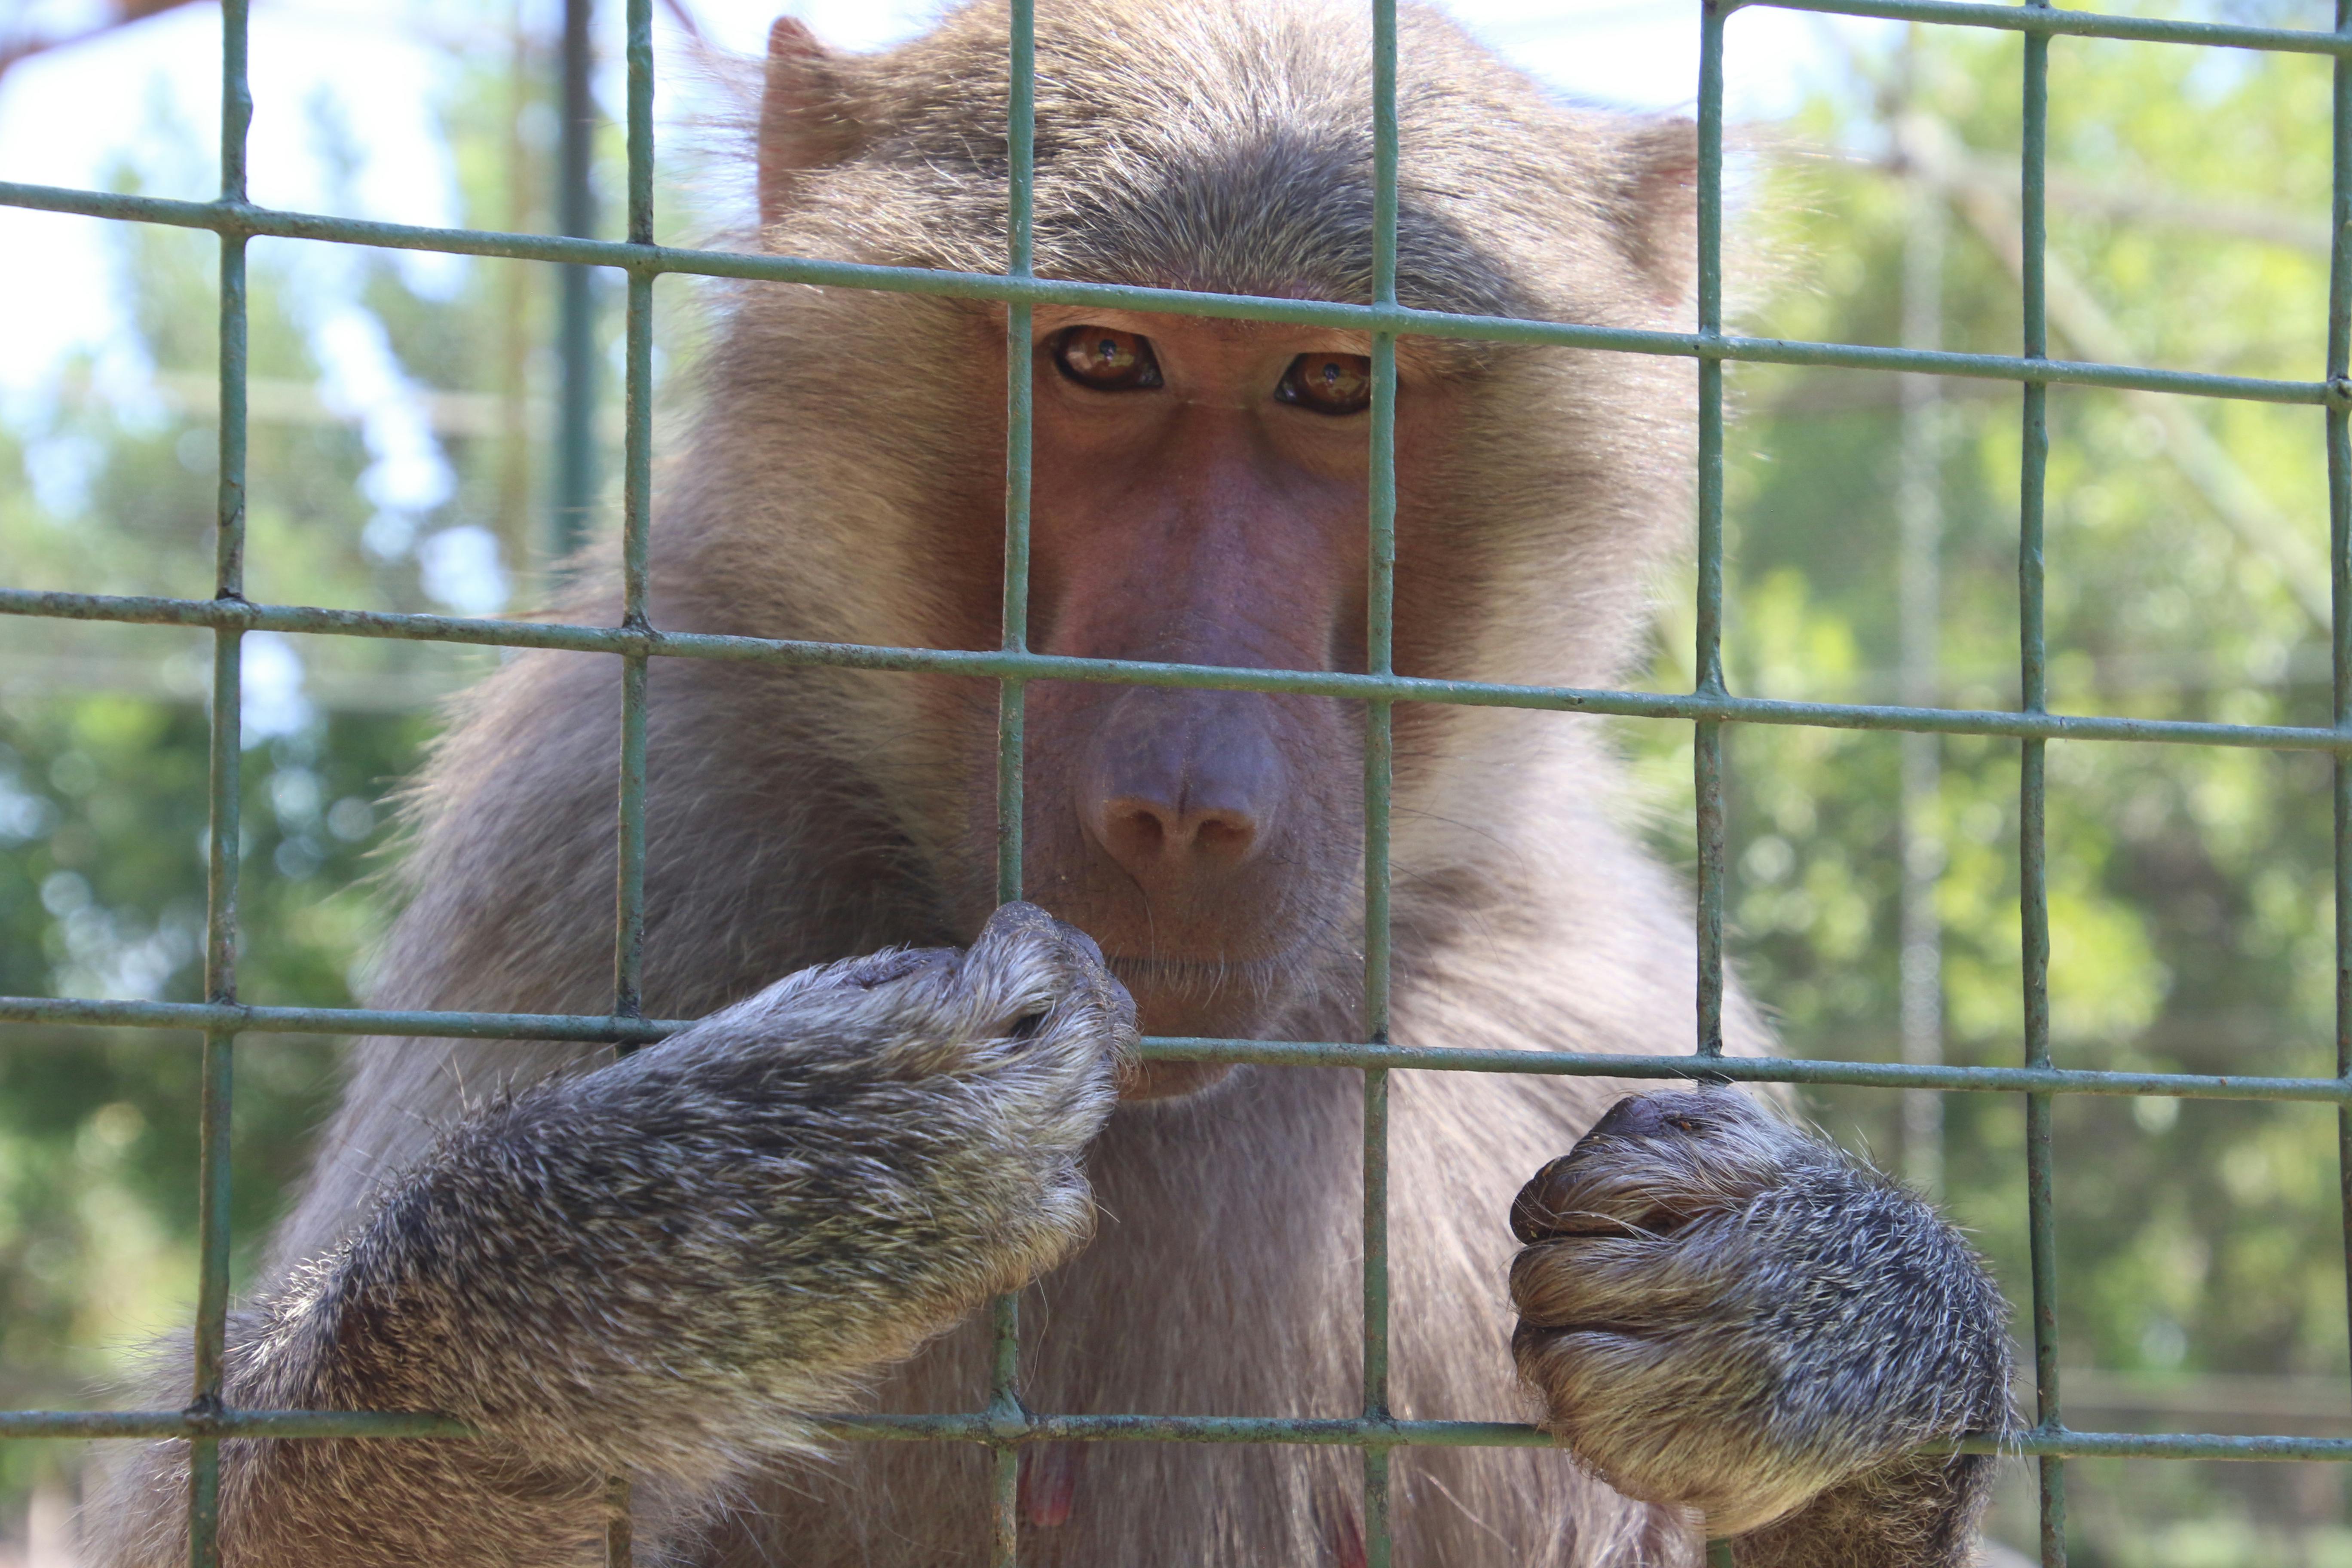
<point>145,98</point>
<point>67,117</point>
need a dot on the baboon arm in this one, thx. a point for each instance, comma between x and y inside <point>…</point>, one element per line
<point>662,1268</point>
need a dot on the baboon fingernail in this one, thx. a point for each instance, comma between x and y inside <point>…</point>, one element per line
<point>1540,1211</point>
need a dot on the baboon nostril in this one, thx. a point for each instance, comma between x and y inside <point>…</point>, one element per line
<point>1145,829</point>
<point>1161,843</point>
<point>1226,838</point>
<point>1182,789</point>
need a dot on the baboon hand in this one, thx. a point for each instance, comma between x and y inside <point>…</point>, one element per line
<point>1030,1006</point>
<point>993,1068</point>
<point>1721,1313</point>
<point>821,1177</point>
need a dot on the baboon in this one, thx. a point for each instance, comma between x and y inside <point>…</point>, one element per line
<point>660,1266</point>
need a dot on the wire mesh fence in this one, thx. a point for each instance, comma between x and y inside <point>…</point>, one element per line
<point>1005,1424</point>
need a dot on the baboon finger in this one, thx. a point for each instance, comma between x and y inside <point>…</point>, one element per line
<point>1657,1162</point>
<point>1584,1368</point>
<point>1575,1195</point>
<point>893,965</point>
<point>1670,1284</point>
<point>1569,1280</point>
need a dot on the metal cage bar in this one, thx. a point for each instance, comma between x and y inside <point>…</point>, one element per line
<point>196,1015</point>
<point>222,825</point>
<point>2033,891</point>
<point>1402,319</point>
<point>1005,1410</point>
<point>312,619</point>
<point>2339,554</point>
<point>636,550</point>
<point>1380,764</point>
<point>1707,734</point>
<point>1005,1423</point>
<point>1707,737</point>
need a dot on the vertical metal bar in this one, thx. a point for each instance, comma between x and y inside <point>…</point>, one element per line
<point>224,834</point>
<point>1019,259</point>
<point>575,336</point>
<point>515,284</point>
<point>637,503</point>
<point>1706,741</point>
<point>1918,507</point>
<point>1005,1410</point>
<point>637,520</point>
<point>2339,552</point>
<point>2033,896</point>
<point>1379,758</point>
<point>1019,362</point>
<point>620,1527</point>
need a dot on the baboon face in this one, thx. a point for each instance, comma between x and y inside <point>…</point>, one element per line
<point>1200,497</point>
<point>1199,488</point>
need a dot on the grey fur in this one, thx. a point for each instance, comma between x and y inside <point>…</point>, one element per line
<point>663,1267</point>
<point>1723,1314</point>
<point>796,815</point>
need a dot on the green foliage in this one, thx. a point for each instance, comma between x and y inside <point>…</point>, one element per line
<point>2191,909</point>
<point>104,788</point>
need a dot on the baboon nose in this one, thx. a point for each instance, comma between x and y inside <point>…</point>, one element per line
<point>1179,793</point>
<point>1161,840</point>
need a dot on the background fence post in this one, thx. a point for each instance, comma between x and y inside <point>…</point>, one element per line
<point>2033,893</point>
<point>575,332</point>
<point>222,823</point>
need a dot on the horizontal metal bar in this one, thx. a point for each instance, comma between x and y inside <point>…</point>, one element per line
<point>196,1017</point>
<point>2066,1445</point>
<point>2045,21</point>
<point>1686,1068</point>
<point>1359,1432</point>
<point>1337,1432</point>
<point>1354,1431</point>
<point>238,1018</point>
<point>992,664</point>
<point>656,258</point>
<point>153,1424</point>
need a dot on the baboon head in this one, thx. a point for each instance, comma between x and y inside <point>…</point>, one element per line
<point>1201,490</point>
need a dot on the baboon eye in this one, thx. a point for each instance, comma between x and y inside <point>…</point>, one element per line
<point>1328,384</point>
<point>1105,359</point>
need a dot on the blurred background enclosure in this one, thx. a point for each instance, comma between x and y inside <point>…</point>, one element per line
<point>409,451</point>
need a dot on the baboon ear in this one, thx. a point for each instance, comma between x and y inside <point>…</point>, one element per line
<point>1657,205</point>
<point>805,120</point>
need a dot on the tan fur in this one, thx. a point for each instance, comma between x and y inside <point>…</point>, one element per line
<point>797,815</point>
